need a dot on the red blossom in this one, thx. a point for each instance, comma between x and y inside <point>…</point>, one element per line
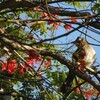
<point>10,66</point>
<point>73,20</point>
<point>26,67</point>
<point>21,70</point>
<point>54,15</point>
<point>37,8</point>
<point>30,61</point>
<point>38,60</point>
<point>50,22</point>
<point>88,94</point>
<point>39,77</point>
<point>47,63</point>
<point>56,24</point>
<point>68,27</point>
<point>33,54</point>
<point>4,66</point>
<point>44,15</point>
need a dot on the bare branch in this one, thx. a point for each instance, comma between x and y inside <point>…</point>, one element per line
<point>13,4</point>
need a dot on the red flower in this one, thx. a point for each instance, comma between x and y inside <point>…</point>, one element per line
<point>30,61</point>
<point>56,24</point>
<point>33,54</point>
<point>47,63</point>
<point>50,22</point>
<point>37,8</point>
<point>24,67</point>
<point>21,70</point>
<point>88,94</point>
<point>4,66</point>
<point>44,15</point>
<point>73,20</point>
<point>10,66</point>
<point>68,27</point>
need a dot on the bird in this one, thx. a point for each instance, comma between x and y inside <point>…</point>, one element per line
<point>84,56</point>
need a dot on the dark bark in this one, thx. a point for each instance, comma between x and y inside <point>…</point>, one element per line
<point>67,85</point>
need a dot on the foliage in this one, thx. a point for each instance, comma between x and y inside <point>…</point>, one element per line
<point>96,7</point>
<point>35,56</point>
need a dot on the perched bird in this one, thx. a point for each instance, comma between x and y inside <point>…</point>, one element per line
<point>84,56</point>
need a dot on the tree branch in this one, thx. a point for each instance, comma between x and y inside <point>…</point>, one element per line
<point>13,4</point>
<point>53,10</point>
<point>70,1</point>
